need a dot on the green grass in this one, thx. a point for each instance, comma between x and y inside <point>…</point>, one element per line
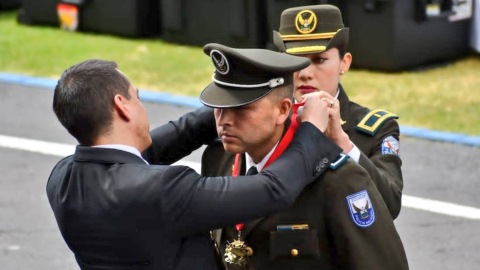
<point>446,98</point>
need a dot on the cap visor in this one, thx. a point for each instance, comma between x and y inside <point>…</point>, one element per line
<point>228,97</point>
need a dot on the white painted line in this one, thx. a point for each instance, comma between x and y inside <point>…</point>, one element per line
<point>59,149</point>
<point>63,150</point>
<point>440,207</point>
<point>194,165</point>
<point>42,147</point>
<point>13,248</point>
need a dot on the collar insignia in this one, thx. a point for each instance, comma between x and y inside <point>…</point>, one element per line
<point>220,62</point>
<point>361,209</point>
<point>306,21</point>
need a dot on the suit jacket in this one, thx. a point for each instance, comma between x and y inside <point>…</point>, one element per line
<point>385,170</point>
<point>333,239</point>
<point>116,212</point>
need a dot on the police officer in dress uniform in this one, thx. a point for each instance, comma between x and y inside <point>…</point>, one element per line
<point>338,222</point>
<point>370,137</point>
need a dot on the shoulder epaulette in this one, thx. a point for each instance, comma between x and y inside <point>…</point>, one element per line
<point>372,122</point>
<point>339,161</point>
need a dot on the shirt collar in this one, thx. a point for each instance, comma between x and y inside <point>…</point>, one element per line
<point>126,148</point>
<point>249,161</point>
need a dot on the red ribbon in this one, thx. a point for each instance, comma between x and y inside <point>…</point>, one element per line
<point>287,138</point>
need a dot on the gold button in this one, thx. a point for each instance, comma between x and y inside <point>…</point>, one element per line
<point>294,252</point>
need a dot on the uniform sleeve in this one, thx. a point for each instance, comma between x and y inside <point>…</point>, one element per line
<point>179,138</point>
<point>360,241</point>
<point>385,169</point>
<point>196,204</point>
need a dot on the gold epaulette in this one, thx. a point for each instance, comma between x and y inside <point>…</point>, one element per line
<point>372,122</point>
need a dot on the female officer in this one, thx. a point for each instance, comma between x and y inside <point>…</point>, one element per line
<point>370,137</point>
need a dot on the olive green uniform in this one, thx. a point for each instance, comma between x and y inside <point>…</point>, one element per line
<point>308,30</point>
<point>332,241</point>
<point>384,169</point>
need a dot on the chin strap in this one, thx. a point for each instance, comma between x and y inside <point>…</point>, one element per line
<point>271,83</point>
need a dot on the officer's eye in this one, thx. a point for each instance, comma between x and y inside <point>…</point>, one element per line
<point>318,60</point>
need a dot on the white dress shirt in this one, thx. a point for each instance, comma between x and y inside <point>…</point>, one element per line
<point>261,164</point>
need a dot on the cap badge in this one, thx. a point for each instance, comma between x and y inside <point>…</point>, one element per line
<point>220,62</point>
<point>306,21</point>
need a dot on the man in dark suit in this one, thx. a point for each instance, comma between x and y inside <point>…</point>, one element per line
<point>338,222</point>
<point>116,211</point>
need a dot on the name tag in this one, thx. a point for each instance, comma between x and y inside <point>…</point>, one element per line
<point>292,227</point>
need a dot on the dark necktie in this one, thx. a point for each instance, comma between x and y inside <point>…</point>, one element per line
<point>252,170</point>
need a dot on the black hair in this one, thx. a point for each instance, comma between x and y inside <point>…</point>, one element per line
<point>284,91</point>
<point>84,98</point>
<point>342,50</point>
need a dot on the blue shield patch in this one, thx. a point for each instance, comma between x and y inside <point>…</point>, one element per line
<point>361,209</point>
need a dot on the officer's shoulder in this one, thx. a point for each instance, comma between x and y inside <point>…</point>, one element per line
<point>373,120</point>
<point>339,161</point>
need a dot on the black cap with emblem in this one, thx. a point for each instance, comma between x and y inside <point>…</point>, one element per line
<point>310,29</point>
<point>243,76</point>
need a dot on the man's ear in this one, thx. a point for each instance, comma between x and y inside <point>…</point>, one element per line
<point>284,108</point>
<point>120,108</point>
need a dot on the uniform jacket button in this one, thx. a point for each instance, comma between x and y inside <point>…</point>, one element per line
<point>325,160</point>
<point>294,252</point>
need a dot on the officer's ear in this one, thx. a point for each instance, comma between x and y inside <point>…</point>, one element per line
<point>346,62</point>
<point>283,104</point>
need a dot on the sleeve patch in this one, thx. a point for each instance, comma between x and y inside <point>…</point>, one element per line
<point>372,122</point>
<point>339,161</point>
<point>390,146</point>
<point>361,209</point>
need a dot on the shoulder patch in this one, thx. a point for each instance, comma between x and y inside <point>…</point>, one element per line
<point>361,209</point>
<point>390,146</point>
<point>339,161</point>
<point>372,122</point>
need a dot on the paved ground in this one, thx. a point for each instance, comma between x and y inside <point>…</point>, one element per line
<point>29,237</point>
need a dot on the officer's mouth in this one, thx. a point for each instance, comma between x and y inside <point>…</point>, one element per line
<point>226,137</point>
<point>305,89</point>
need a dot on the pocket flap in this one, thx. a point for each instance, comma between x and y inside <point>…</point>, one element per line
<point>294,244</point>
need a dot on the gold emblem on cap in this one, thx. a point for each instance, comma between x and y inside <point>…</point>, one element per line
<point>306,21</point>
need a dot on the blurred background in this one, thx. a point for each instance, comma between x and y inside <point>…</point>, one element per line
<point>424,53</point>
<point>417,58</point>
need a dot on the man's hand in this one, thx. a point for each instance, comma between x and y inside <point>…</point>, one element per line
<point>314,111</point>
<point>334,129</point>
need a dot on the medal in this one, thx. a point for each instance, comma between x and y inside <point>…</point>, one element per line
<point>237,252</point>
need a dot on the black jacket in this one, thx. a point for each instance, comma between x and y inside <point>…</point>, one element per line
<point>116,212</point>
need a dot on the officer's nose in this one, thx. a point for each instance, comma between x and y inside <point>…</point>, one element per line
<point>306,73</point>
<point>223,117</point>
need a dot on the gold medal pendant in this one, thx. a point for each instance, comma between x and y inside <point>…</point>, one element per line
<point>237,252</point>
